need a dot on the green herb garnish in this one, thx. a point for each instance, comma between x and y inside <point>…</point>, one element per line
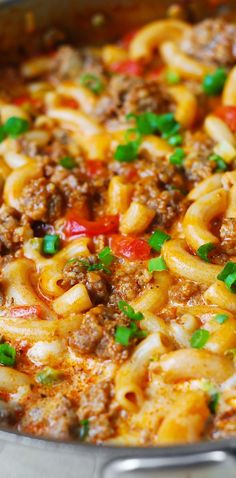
<point>15,126</point>
<point>48,376</point>
<point>199,338</point>
<point>213,83</point>
<point>228,276</point>
<point>157,264</point>
<point>83,429</point>
<point>204,250</point>
<point>157,239</point>
<point>51,244</point>
<point>68,162</point>
<point>177,157</point>
<point>106,256</point>
<point>221,318</point>
<point>7,355</point>
<point>220,163</point>
<point>92,82</point>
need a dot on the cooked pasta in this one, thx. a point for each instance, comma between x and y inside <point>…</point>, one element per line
<point>118,239</point>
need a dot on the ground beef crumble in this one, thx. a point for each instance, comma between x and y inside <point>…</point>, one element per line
<point>228,235</point>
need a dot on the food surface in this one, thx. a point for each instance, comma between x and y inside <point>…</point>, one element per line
<point>118,239</point>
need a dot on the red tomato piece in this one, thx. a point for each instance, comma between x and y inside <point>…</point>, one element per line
<point>69,103</point>
<point>77,226</point>
<point>227,114</point>
<point>155,73</point>
<point>95,167</point>
<point>25,311</point>
<point>128,67</point>
<point>130,247</point>
<point>24,99</point>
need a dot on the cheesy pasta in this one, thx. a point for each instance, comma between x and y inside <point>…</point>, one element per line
<point>118,238</point>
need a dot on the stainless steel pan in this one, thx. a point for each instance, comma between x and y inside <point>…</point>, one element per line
<point>28,457</point>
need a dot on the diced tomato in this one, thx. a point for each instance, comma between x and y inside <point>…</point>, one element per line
<point>155,73</point>
<point>228,114</point>
<point>95,168</point>
<point>25,311</point>
<point>69,103</point>
<point>128,67</point>
<point>24,99</point>
<point>127,38</point>
<point>130,247</point>
<point>77,226</point>
<point>131,173</point>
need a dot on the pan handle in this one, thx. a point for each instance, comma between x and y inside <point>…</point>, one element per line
<point>210,464</point>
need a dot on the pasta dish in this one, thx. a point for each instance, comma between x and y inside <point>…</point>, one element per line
<point>118,238</point>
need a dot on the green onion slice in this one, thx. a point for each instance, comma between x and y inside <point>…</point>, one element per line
<point>106,256</point>
<point>99,266</point>
<point>157,264</point>
<point>220,163</point>
<point>176,140</point>
<point>172,77</point>
<point>15,126</point>
<point>92,82</point>
<point>2,134</point>
<point>177,157</point>
<point>213,83</point>
<point>67,162</point>
<point>51,244</point>
<point>214,402</point>
<point>199,338</point>
<point>123,335</point>
<point>228,276</point>
<point>129,311</point>
<point>7,355</point>
<point>204,250</point>
<point>126,153</point>
<point>83,429</point>
<point>157,239</point>
<point>48,376</point>
<point>221,318</point>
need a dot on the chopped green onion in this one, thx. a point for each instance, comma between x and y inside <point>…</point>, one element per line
<point>7,355</point>
<point>126,153</point>
<point>129,311</point>
<point>132,134</point>
<point>157,264</point>
<point>199,338</point>
<point>148,123</point>
<point>106,256</point>
<point>68,162</point>
<point>48,376</point>
<point>172,77</point>
<point>83,429</point>
<point>157,239</point>
<point>15,126</point>
<point>213,403</point>
<point>176,140</point>
<point>124,334</point>
<point>221,318</point>
<point>92,82</point>
<point>51,244</point>
<point>204,250</point>
<point>177,157</point>
<point>2,134</point>
<point>228,276</point>
<point>220,163</point>
<point>213,83</point>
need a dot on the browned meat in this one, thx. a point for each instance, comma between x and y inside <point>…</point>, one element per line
<point>66,63</point>
<point>212,41</point>
<point>96,282</point>
<point>95,405</point>
<point>196,164</point>
<point>9,413</point>
<point>183,291</point>
<point>228,235</point>
<point>70,63</point>
<point>52,417</point>
<point>96,334</point>
<point>12,232</point>
<point>41,200</point>
<point>131,94</point>
<point>128,280</point>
